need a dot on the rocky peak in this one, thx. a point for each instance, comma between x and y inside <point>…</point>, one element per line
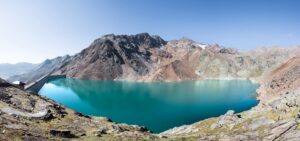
<point>141,39</point>
<point>185,42</point>
<point>228,50</point>
<point>112,56</point>
<point>221,49</point>
<point>185,39</point>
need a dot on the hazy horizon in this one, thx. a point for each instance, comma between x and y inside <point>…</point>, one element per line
<point>32,31</point>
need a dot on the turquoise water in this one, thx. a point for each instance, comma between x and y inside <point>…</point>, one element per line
<point>157,106</point>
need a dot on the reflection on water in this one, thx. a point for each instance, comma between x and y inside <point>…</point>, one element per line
<point>158,106</point>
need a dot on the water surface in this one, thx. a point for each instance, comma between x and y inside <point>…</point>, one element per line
<point>158,106</point>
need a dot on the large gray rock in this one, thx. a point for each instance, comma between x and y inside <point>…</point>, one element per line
<point>229,119</point>
<point>259,122</point>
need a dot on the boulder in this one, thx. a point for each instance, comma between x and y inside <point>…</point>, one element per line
<point>61,133</point>
<point>259,122</point>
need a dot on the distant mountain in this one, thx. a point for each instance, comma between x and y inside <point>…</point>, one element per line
<point>114,56</point>
<point>8,70</point>
<point>143,57</point>
<point>2,81</point>
<point>139,57</point>
<point>148,58</point>
<point>42,69</point>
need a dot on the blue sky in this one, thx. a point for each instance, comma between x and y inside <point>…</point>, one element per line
<point>31,30</point>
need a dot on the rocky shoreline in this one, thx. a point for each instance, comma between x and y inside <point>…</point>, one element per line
<point>29,117</point>
<point>276,117</point>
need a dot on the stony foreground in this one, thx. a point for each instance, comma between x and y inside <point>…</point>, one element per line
<point>24,116</point>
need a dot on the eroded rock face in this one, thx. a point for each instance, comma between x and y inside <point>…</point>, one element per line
<point>114,56</point>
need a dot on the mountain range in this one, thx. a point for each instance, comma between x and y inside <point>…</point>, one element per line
<point>8,70</point>
<point>147,58</point>
<point>40,70</point>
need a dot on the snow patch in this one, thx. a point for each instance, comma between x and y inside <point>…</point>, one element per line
<point>202,46</point>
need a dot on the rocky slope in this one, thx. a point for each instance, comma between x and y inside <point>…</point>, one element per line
<point>143,57</point>
<point>45,68</point>
<point>113,56</point>
<point>25,116</point>
<point>281,80</point>
<point>140,57</point>
<point>276,117</point>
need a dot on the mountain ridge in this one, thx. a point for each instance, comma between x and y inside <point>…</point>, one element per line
<point>276,117</point>
<point>149,58</point>
<point>40,70</point>
<point>7,69</point>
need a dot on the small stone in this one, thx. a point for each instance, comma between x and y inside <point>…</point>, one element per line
<point>298,115</point>
<point>215,125</point>
<point>279,117</point>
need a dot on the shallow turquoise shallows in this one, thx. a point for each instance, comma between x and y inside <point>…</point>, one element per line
<point>157,106</point>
